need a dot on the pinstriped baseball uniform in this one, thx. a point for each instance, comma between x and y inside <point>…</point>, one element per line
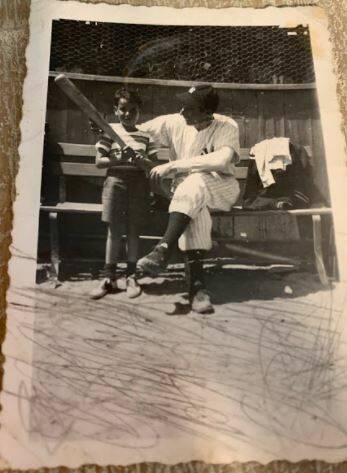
<point>199,192</point>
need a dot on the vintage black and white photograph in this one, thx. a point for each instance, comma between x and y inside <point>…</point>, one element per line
<point>188,290</point>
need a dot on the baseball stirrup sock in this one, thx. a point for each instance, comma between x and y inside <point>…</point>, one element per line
<point>109,270</point>
<point>194,270</point>
<point>178,222</point>
<point>131,268</point>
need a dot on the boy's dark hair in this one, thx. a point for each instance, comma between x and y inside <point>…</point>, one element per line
<point>130,95</point>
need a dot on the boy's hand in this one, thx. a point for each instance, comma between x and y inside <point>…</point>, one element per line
<point>116,158</point>
<point>125,155</point>
<point>128,154</point>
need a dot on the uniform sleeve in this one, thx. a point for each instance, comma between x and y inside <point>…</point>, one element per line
<point>228,135</point>
<point>152,149</point>
<point>158,128</point>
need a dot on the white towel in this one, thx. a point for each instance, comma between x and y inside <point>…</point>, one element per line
<point>271,154</point>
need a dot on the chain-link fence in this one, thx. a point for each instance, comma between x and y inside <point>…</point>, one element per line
<point>242,54</point>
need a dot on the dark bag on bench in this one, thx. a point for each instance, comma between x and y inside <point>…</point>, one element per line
<point>293,188</point>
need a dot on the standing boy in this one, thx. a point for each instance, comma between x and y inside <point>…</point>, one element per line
<point>125,192</point>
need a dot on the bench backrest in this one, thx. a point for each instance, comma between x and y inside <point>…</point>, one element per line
<point>78,160</point>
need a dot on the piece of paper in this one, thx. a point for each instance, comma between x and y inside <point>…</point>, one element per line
<point>119,381</point>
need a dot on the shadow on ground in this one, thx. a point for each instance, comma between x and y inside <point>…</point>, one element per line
<point>226,285</point>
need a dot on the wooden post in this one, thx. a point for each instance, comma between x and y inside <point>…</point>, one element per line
<point>317,242</point>
<point>62,189</point>
<point>54,243</point>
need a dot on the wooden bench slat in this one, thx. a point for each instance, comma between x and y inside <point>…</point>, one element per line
<point>238,211</point>
<point>78,169</point>
<point>79,207</point>
<point>82,169</point>
<point>73,207</point>
<point>90,170</point>
<point>73,149</point>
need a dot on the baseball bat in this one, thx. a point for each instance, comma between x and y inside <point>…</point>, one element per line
<point>87,107</point>
<point>93,114</point>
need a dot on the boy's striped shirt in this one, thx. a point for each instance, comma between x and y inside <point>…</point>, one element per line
<point>138,140</point>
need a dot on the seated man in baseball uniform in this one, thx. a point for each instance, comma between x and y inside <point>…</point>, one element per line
<point>204,148</point>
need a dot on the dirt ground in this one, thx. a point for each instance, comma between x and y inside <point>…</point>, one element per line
<point>266,371</point>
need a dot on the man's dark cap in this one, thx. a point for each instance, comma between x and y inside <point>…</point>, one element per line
<point>203,95</point>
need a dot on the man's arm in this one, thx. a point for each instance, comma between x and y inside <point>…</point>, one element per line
<point>148,159</point>
<point>145,163</point>
<point>158,129</point>
<point>216,161</point>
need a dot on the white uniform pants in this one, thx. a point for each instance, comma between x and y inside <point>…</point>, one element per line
<point>197,195</point>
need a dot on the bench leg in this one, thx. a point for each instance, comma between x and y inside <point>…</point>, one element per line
<point>54,243</point>
<point>333,267</point>
<point>317,242</point>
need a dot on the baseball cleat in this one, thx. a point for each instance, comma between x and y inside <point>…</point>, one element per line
<point>106,286</point>
<point>132,288</point>
<point>155,262</point>
<point>201,302</point>
<point>121,283</point>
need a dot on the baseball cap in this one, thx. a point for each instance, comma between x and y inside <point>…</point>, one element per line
<point>203,95</point>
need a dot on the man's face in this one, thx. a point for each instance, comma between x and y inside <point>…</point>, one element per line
<point>127,112</point>
<point>194,114</point>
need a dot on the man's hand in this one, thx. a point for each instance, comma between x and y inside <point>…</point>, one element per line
<point>163,171</point>
<point>159,174</point>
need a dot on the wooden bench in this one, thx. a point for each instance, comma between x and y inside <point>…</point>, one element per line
<point>77,160</point>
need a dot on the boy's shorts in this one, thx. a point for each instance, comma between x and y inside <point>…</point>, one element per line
<point>125,197</point>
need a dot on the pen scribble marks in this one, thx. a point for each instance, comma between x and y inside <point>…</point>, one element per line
<point>125,373</point>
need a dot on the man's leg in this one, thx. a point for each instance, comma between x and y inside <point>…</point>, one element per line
<point>190,221</point>
<point>198,296</point>
<point>187,202</point>
<point>197,235</point>
<point>195,242</point>
<point>177,224</point>
<point>157,259</point>
<point>220,194</point>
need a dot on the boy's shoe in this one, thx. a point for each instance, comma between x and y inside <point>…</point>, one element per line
<point>201,302</point>
<point>121,283</point>
<point>155,262</point>
<point>106,286</point>
<point>132,287</point>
